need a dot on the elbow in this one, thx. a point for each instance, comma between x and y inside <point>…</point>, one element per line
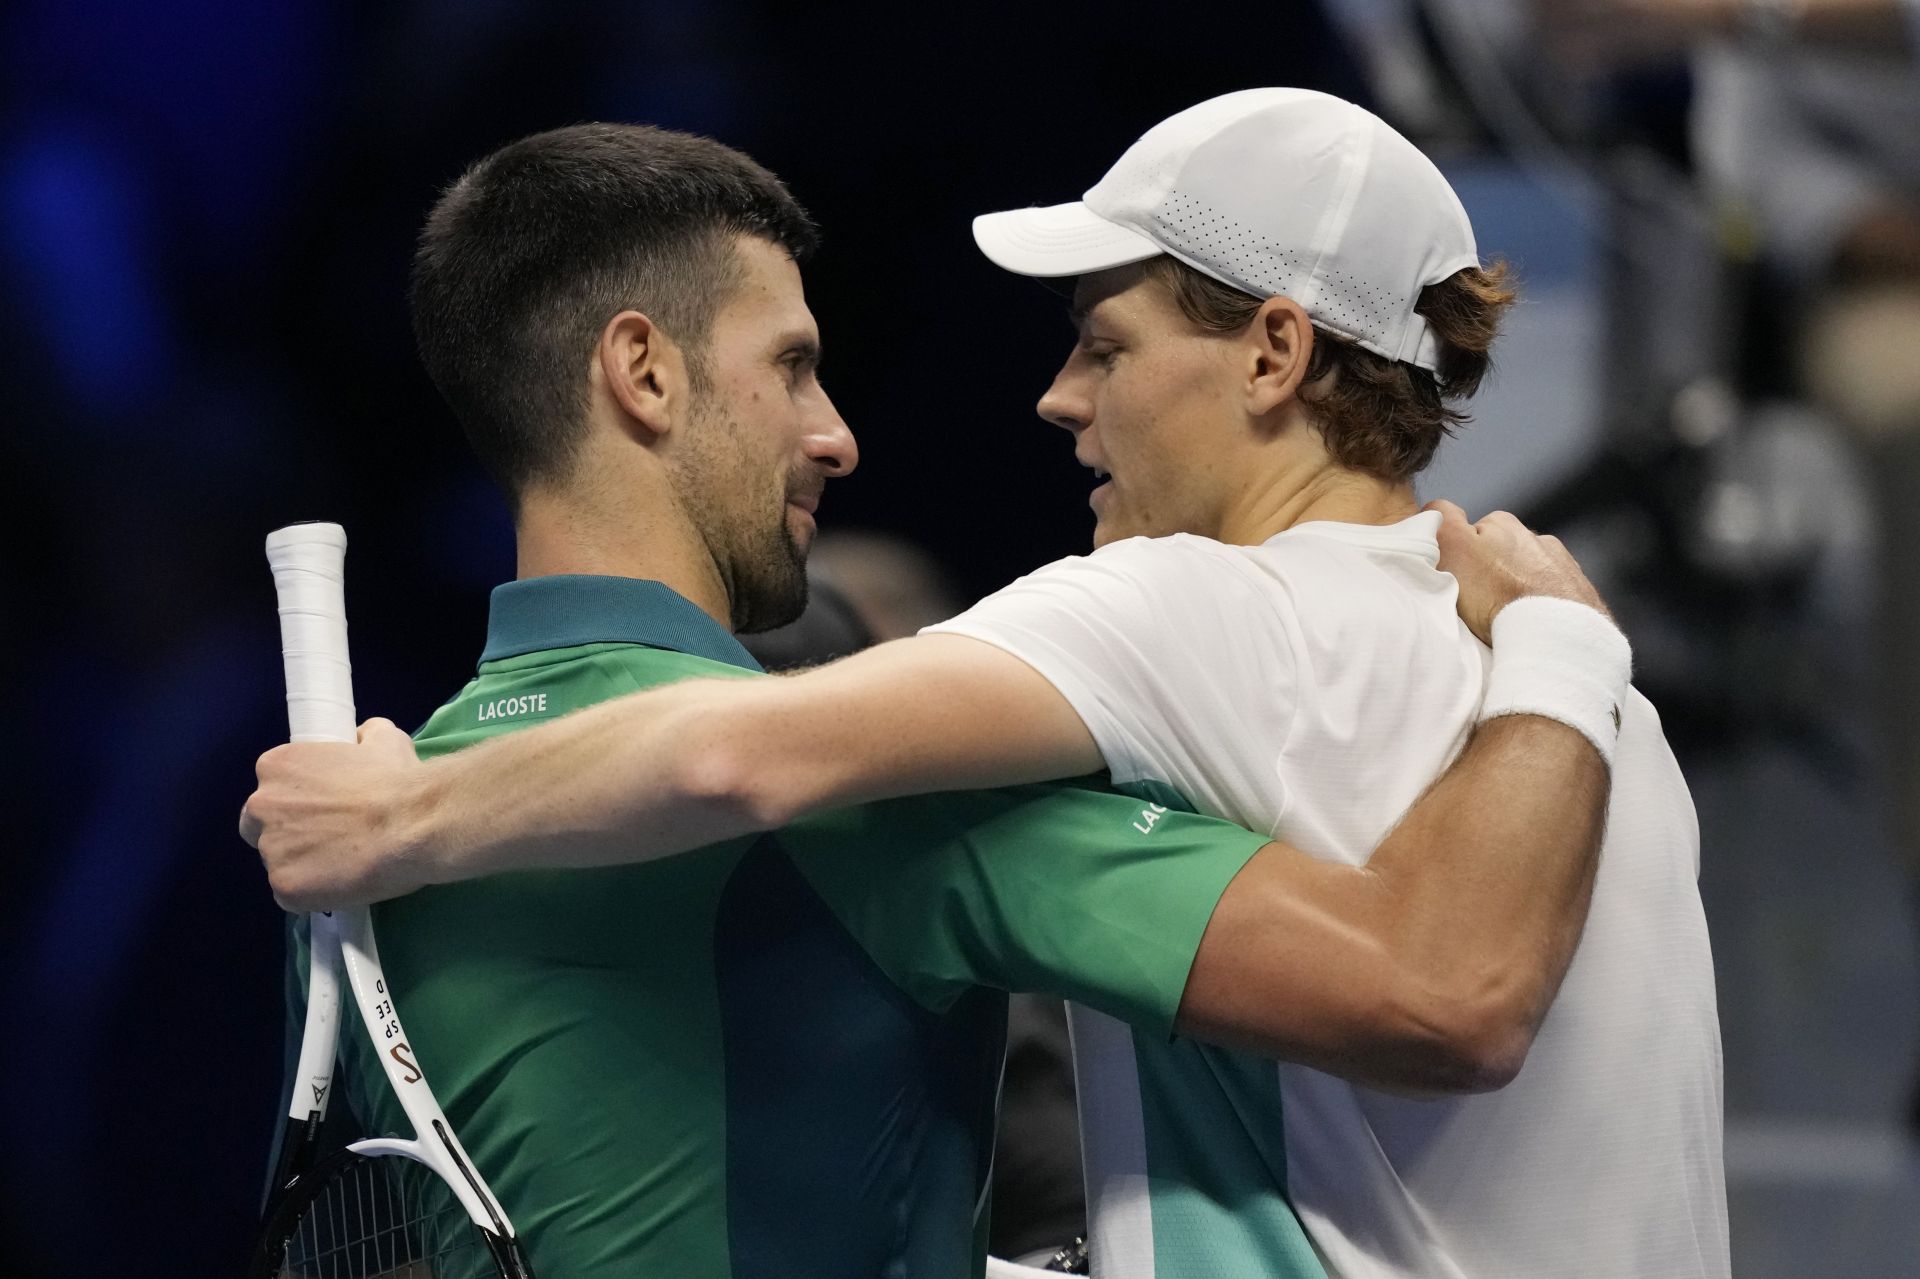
<point>1479,1043</point>
<point>1486,1058</point>
<point>729,789</point>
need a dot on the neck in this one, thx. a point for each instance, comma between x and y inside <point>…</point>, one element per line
<point>571,532</point>
<point>1314,488</point>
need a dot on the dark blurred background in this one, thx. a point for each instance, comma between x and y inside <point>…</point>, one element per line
<point>206,214</point>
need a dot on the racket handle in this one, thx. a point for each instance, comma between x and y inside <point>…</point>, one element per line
<point>308,563</point>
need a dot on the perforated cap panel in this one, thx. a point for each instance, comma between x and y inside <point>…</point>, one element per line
<point>1271,191</point>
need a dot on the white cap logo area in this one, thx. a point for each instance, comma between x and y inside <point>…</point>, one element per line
<point>1271,191</point>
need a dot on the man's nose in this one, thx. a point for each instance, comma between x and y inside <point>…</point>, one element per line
<point>830,444</point>
<point>1064,406</point>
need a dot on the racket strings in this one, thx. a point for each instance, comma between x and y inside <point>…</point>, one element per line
<point>385,1219</point>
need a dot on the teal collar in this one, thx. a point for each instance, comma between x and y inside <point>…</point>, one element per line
<point>569,610</point>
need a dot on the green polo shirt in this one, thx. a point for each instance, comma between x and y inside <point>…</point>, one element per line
<point>778,1056</point>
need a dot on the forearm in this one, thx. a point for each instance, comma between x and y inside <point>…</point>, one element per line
<point>1484,886</point>
<point>640,777</point>
<point>679,767</point>
<point>1487,879</point>
<point>1428,969</point>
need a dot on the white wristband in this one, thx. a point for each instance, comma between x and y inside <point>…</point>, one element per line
<point>1562,660</point>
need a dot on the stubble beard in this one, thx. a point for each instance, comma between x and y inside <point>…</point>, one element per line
<point>742,514</point>
<point>768,572</point>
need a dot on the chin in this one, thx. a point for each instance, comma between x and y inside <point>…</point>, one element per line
<point>1107,531</point>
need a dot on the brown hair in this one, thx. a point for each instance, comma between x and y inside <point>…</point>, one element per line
<point>1381,416</point>
<point>528,255</point>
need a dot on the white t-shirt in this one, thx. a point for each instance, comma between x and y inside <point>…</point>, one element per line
<point>1312,687</point>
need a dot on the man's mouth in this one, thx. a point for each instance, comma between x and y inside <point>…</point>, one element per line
<point>1100,490</point>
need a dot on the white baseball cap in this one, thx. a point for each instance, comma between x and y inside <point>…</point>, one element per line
<point>1270,191</point>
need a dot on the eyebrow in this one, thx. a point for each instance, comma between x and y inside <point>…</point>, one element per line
<point>804,345</point>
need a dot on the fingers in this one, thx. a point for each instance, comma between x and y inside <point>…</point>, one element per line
<point>292,763</point>
<point>317,818</point>
<point>377,729</point>
<point>1453,519</point>
<point>252,822</point>
<point>269,762</point>
<point>1454,529</point>
<point>295,901</point>
<point>1505,522</point>
<point>387,738</point>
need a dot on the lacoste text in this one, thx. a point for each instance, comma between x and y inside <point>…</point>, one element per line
<point>529,704</point>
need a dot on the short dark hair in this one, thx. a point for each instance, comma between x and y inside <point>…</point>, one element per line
<point>526,257</point>
<point>1380,416</point>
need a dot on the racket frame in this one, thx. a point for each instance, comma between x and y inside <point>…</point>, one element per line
<point>308,563</point>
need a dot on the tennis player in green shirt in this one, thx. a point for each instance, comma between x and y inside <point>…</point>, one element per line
<point>778,1055</point>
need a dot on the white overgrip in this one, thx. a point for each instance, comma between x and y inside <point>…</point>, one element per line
<point>308,563</point>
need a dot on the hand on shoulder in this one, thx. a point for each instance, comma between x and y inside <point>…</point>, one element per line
<point>1499,560</point>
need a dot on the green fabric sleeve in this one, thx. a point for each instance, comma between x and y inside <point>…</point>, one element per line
<point>1062,889</point>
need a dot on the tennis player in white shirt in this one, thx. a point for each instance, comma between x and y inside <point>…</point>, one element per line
<point>1279,305</point>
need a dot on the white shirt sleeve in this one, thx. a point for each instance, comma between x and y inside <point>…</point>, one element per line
<point>1137,638</point>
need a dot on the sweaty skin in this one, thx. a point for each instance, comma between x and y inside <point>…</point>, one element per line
<point>1428,968</point>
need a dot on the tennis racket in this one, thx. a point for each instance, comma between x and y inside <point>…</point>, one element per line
<point>383,1207</point>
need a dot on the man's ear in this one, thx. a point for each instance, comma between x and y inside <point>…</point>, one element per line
<point>1281,348</point>
<point>643,371</point>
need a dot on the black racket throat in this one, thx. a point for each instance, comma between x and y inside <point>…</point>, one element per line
<point>361,1216</point>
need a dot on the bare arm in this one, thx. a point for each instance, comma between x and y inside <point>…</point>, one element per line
<point>1428,969</point>
<point>658,772</point>
<point>675,768</point>
<point>1431,967</point>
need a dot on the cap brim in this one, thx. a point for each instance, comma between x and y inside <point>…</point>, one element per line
<point>1063,239</point>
